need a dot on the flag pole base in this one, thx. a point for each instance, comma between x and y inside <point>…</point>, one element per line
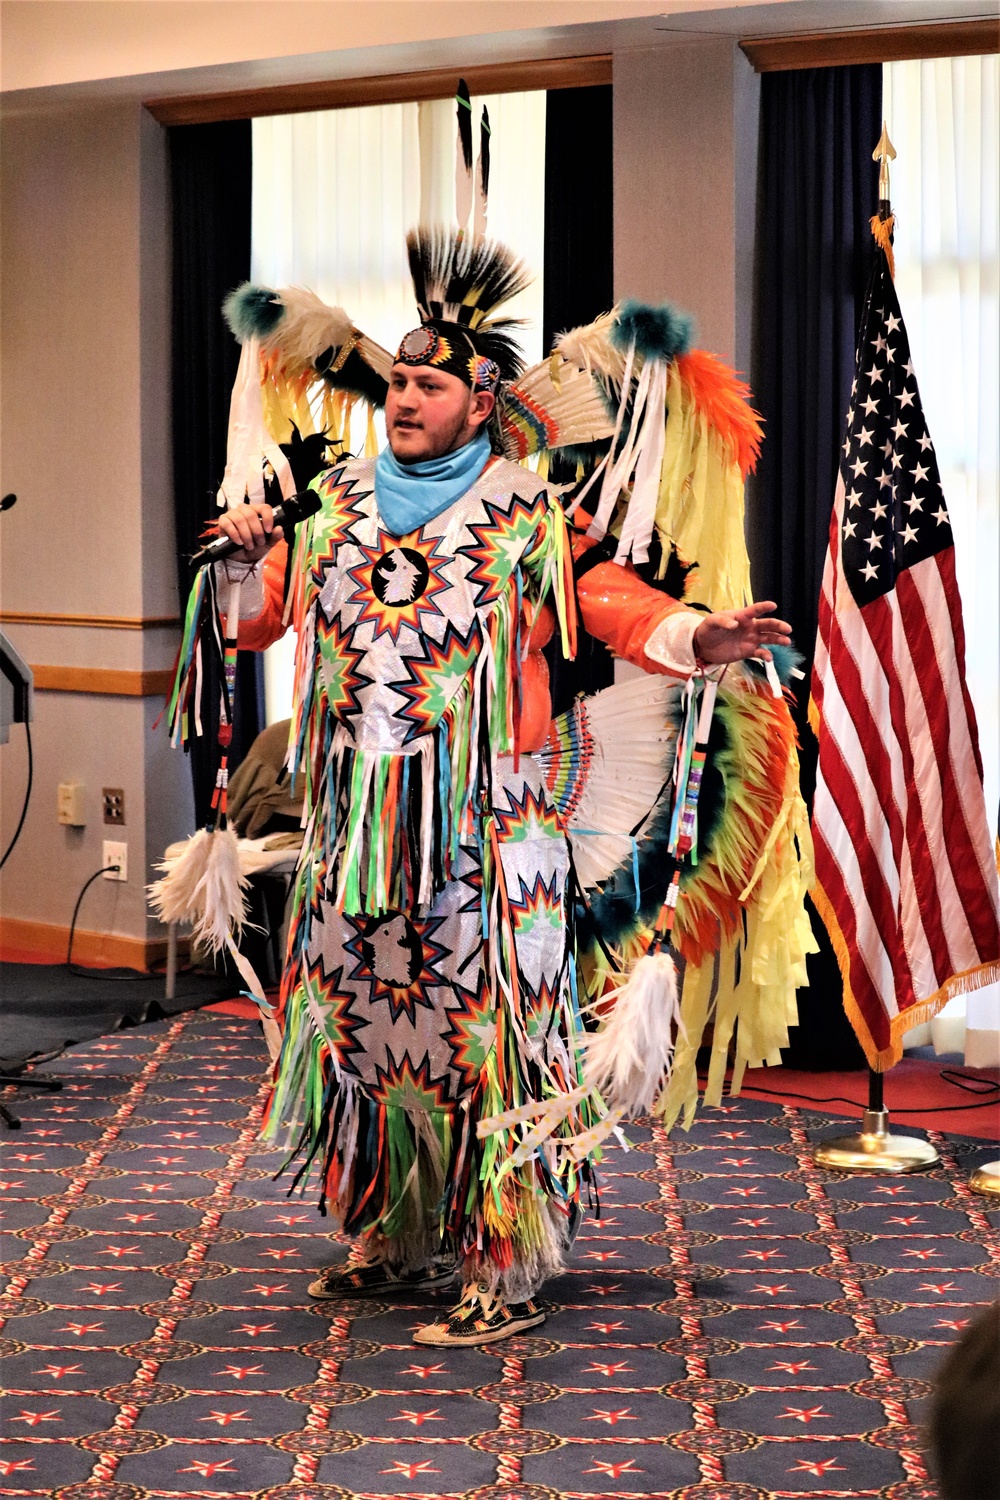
<point>873,1149</point>
<point>986,1179</point>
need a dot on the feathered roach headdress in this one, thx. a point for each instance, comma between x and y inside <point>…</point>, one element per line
<point>459,282</point>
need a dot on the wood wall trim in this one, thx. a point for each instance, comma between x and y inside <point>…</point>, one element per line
<point>90,622</point>
<point>20,939</point>
<point>393,88</point>
<point>835,49</point>
<point>109,681</point>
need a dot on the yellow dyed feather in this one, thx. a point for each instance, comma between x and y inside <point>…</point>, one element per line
<point>700,503</point>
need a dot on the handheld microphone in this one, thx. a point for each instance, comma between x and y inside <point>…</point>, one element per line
<point>296,508</point>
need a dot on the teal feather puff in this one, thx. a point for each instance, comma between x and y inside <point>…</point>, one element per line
<point>660,332</point>
<point>252,311</point>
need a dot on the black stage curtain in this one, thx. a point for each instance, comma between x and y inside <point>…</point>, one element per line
<point>211,183</point>
<point>817,192</point>
<point>579,285</point>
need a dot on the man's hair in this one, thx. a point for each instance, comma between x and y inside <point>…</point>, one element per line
<point>965,1413</point>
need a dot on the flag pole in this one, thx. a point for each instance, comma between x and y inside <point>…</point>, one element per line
<point>986,1178</point>
<point>873,1148</point>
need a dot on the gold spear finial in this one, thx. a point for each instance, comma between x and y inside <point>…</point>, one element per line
<point>883,222</point>
<point>884,153</point>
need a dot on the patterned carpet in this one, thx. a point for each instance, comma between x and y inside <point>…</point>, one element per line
<point>737,1325</point>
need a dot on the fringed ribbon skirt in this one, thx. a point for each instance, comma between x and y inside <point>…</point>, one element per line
<point>404,1031</point>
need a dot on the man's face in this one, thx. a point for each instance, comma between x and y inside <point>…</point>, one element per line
<point>429,412</point>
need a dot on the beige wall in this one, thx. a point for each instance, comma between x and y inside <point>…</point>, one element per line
<point>685,154</point>
<point>85,415</point>
<point>49,42</point>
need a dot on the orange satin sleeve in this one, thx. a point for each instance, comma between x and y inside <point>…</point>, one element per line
<point>623,611</point>
<point>619,608</point>
<point>262,630</point>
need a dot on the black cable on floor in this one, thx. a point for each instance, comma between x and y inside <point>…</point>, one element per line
<point>927,1109</point>
<point>132,976</point>
<point>27,797</point>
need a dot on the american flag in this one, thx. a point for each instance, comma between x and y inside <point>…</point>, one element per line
<point>906,880</point>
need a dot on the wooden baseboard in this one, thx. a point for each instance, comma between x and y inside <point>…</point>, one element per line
<point>20,939</point>
<point>104,681</point>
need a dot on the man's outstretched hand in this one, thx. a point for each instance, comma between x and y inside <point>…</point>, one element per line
<point>733,634</point>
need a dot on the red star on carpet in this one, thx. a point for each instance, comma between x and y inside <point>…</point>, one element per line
<point>792,1369</point>
<point>606,1327</point>
<point>762,1255</point>
<point>223,1418</point>
<point>270,1291</point>
<point>206,1470</point>
<point>410,1471</point>
<point>241,1372</point>
<point>79,1329</point>
<point>424,1372</point>
<point>780,1327</point>
<point>611,1417</point>
<point>613,1471</point>
<point>254,1330</point>
<point>33,1418</point>
<point>770,1291</point>
<point>14,1465</point>
<point>609,1370</point>
<point>956,1324</point>
<point>417,1418</point>
<point>58,1372</point>
<point>119,1250</point>
<point>100,1289</point>
<point>818,1468</point>
<point>905,1220</point>
<point>802,1413</point>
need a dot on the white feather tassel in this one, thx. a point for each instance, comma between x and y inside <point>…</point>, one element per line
<point>202,884</point>
<point>175,896</point>
<point>222,906</point>
<point>629,1058</point>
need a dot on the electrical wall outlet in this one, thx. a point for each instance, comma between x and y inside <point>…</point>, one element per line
<point>113,798</point>
<point>69,804</point>
<point>115,854</point>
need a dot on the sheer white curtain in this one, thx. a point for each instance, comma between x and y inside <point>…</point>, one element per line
<point>334,193</point>
<point>944,120</point>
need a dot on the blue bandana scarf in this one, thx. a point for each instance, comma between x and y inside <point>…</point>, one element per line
<point>407,495</point>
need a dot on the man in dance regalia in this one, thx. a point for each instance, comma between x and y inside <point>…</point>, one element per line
<point>431,1073</point>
